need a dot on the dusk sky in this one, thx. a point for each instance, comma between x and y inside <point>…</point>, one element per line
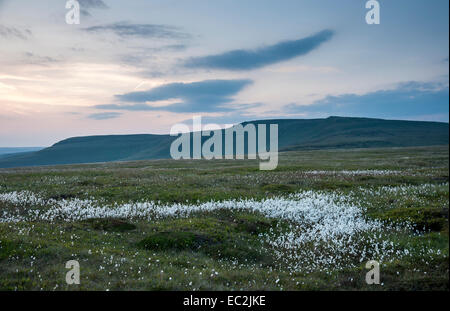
<point>142,66</point>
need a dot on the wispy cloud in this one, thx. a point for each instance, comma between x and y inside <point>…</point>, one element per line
<point>253,59</point>
<point>97,4</point>
<point>104,115</point>
<point>407,99</point>
<point>124,29</point>
<point>202,96</point>
<point>86,5</point>
<point>33,59</point>
<point>15,32</point>
<point>141,56</point>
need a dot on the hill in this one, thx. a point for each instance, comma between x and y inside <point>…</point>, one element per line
<point>6,151</point>
<point>294,134</point>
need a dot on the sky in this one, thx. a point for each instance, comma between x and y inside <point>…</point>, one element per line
<point>142,66</point>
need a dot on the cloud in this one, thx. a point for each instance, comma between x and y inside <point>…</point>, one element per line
<point>253,59</point>
<point>406,100</point>
<point>96,4</point>
<point>202,96</point>
<point>33,59</point>
<point>140,57</point>
<point>85,13</point>
<point>85,5</point>
<point>104,115</point>
<point>14,32</point>
<point>123,29</point>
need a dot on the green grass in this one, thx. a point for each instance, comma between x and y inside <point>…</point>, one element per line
<point>178,181</point>
<point>426,219</point>
<point>110,224</point>
<point>220,250</point>
<point>224,235</point>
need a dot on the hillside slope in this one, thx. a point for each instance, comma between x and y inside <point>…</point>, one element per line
<point>7,151</point>
<point>294,134</point>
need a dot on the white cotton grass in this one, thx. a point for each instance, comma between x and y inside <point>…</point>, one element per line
<point>341,212</point>
<point>323,231</point>
<point>355,173</point>
<point>333,211</point>
<point>22,198</point>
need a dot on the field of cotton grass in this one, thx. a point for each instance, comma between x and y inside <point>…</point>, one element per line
<point>312,224</point>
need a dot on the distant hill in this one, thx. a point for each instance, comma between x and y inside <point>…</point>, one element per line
<point>91,149</point>
<point>12,150</point>
<point>294,134</point>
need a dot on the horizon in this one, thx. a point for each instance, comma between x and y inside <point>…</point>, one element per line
<point>249,121</point>
<point>140,67</point>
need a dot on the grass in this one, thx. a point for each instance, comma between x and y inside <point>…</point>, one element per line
<point>224,249</point>
<point>222,236</point>
<point>426,219</point>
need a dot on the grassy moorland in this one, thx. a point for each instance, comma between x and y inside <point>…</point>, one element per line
<point>311,224</point>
